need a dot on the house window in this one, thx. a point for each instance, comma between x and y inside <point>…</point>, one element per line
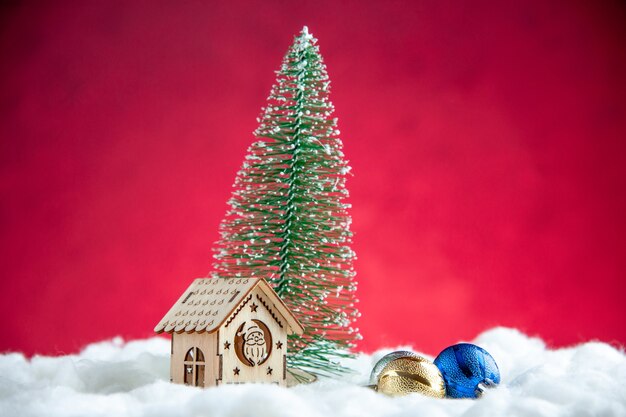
<point>194,367</point>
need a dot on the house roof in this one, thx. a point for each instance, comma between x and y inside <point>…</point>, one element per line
<point>209,302</point>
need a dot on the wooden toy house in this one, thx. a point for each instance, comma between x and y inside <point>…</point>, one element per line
<point>229,331</point>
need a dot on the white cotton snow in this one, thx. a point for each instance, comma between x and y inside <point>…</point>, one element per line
<point>115,378</point>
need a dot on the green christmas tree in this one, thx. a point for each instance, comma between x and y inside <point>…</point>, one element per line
<point>288,219</point>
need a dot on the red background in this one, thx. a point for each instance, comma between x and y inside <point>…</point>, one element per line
<point>486,138</point>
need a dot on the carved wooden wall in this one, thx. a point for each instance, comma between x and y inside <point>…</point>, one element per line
<point>253,342</point>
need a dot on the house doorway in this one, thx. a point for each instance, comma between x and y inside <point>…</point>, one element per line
<point>194,367</point>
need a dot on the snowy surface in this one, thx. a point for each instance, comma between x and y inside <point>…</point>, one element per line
<point>115,378</point>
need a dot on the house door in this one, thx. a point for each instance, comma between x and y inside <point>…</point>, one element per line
<point>194,367</point>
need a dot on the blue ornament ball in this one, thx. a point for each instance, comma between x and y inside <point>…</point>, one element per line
<point>467,370</point>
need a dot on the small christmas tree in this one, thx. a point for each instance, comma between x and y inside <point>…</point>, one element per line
<point>288,221</point>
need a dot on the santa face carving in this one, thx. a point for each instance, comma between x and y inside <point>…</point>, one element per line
<point>253,342</point>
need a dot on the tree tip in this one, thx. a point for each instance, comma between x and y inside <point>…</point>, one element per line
<point>305,34</point>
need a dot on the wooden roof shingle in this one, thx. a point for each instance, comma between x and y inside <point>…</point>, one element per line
<point>209,302</point>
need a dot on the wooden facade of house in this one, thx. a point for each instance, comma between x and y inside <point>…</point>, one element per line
<point>229,331</point>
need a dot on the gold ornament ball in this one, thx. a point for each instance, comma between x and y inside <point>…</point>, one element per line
<point>378,368</point>
<point>411,374</point>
